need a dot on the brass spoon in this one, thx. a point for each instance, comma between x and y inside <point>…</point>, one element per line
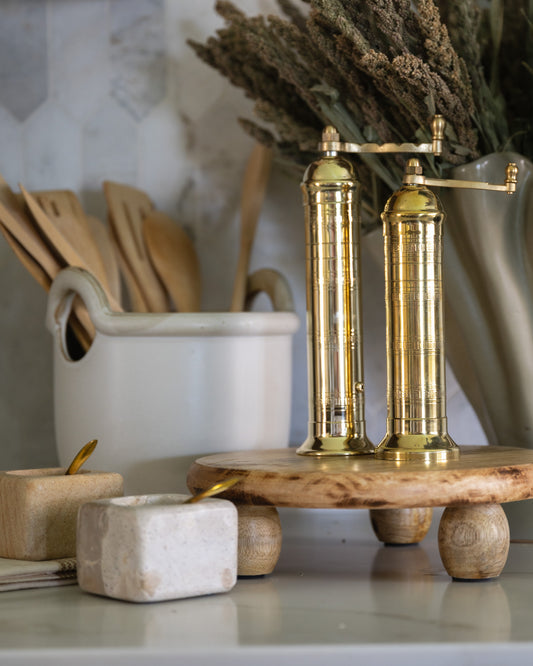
<point>81,456</point>
<point>214,490</point>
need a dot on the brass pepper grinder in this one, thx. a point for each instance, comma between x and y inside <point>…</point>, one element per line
<point>334,331</point>
<point>334,341</point>
<point>416,387</point>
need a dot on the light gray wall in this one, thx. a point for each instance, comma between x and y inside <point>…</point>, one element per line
<point>107,89</point>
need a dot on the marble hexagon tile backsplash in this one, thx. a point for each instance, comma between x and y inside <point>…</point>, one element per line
<point>79,80</point>
<point>23,50</point>
<point>138,75</point>
<point>108,89</point>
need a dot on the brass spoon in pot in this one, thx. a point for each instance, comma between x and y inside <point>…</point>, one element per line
<point>82,455</point>
<point>214,490</point>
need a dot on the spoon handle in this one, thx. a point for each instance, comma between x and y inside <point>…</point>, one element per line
<point>81,457</point>
<point>214,490</point>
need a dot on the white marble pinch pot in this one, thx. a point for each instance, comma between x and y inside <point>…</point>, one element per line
<point>147,548</point>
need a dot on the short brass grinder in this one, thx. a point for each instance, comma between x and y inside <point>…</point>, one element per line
<point>413,219</point>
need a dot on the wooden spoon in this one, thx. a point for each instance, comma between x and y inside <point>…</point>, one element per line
<point>253,192</point>
<point>128,207</point>
<point>174,259</point>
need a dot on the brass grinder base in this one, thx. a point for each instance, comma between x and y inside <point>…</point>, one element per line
<point>336,446</point>
<point>425,448</point>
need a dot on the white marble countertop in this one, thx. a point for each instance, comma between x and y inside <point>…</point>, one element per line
<point>336,594</point>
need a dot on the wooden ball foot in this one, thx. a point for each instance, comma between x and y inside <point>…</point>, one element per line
<point>259,540</point>
<point>474,541</point>
<point>401,526</point>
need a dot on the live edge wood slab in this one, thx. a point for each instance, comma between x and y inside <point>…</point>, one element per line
<point>473,532</point>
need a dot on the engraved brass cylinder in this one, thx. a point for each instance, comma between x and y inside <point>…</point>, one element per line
<point>334,341</point>
<point>416,363</point>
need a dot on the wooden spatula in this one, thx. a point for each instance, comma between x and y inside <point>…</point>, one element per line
<point>137,302</point>
<point>108,251</point>
<point>127,208</point>
<point>33,267</point>
<point>69,254</point>
<point>36,256</point>
<point>175,260</point>
<point>64,210</point>
<point>20,225</point>
<point>83,335</point>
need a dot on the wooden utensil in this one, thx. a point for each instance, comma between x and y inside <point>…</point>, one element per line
<point>127,208</point>
<point>108,251</point>
<point>64,210</point>
<point>36,256</point>
<point>20,226</point>
<point>33,267</point>
<point>137,302</point>
<point>175,260</point>
<point>65,250</point>
<point>253,192</point>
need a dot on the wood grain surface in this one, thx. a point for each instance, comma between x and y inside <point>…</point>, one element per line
<point>259,540</point>
<point>474,541</point>
<point>401,526</point>
<point>280,477</point>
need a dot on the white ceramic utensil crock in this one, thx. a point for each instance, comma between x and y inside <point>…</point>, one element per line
<point>160,390</point>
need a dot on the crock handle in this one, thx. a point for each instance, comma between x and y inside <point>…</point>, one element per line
<point>275,286</point>
<point>69,283</point>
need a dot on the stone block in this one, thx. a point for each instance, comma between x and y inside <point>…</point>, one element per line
<point>153,547</point>
<point>39,507</point>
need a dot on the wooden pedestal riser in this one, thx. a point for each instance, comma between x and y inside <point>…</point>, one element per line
<point>473,534</point>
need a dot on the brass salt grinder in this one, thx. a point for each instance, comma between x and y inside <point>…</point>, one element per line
<point>334,343</point>
<point>412,229</point>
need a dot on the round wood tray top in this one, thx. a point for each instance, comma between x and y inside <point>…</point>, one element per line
<point>280,477</point>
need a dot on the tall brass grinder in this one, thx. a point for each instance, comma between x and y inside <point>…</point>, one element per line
<point>412,229</point>
<point>334,341</point>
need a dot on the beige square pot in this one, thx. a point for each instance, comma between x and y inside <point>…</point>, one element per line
<point>39,508</point>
